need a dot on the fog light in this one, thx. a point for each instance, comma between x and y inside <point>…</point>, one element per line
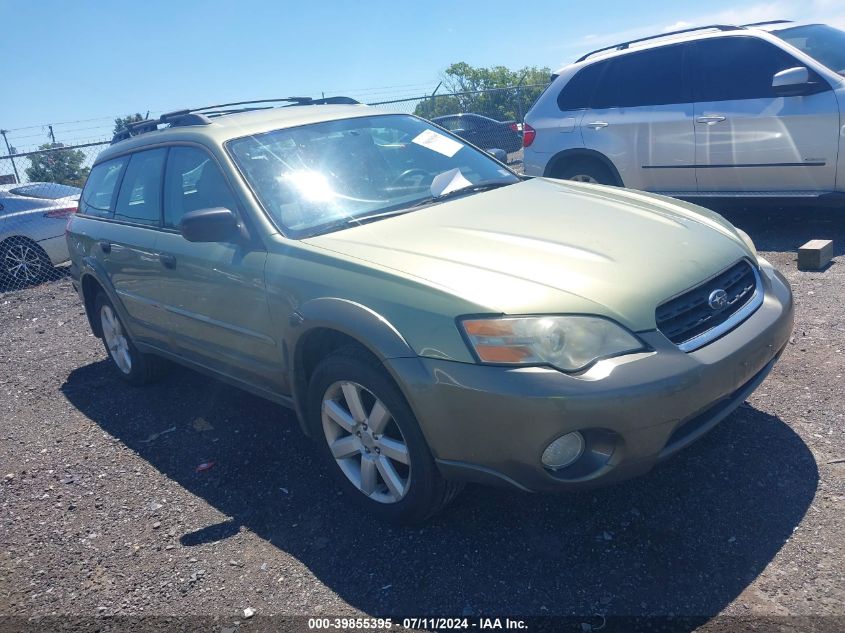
<point>563,451</point>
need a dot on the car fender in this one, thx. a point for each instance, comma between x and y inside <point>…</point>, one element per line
<point>90,267</point>
<point>582,152</point>
<point>368,328</point>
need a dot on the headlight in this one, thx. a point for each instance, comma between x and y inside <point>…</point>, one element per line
<point>747,239</point>
<point>569,343</point>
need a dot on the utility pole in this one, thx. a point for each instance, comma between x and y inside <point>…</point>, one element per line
<point>519,96</point>
<point>434,92</point>
<point>9,151</point>
<point>52,136</point>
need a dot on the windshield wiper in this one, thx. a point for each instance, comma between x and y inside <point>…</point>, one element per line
<point>363,219</point>
<point>379,215</point>
<point>482,186</point>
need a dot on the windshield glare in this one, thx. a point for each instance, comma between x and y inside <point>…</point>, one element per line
<point>319,177</point>
<point>823,43</point>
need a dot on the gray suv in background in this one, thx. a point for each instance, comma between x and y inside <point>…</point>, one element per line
<point>750,111</point>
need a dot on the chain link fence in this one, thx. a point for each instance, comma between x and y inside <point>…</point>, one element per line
<point>38,191</point>
<point>489,119</point>
<point>40,188</point>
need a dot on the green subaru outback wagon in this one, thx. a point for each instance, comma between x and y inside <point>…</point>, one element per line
<point>432,317</point>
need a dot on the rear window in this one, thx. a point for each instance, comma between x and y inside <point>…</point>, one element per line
<point>46,191</point>
<point>578,91</point>
<point>139,200</point>
<point>101,187</point>
<point>648,78</point>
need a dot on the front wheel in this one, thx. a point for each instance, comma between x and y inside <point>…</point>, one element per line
<point>371,440</point>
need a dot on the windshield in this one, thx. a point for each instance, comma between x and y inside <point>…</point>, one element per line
<point>325,176</point>
<point>823,43</point>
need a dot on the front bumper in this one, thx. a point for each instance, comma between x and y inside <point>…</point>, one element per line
<point>491,424</point>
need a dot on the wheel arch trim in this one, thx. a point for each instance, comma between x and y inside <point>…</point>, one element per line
<point>93,270</point>
<point>568,155</point>
<point>363,325</point>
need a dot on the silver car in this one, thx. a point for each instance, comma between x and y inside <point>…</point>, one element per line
<point>33,217</point>
<point>738,111</point>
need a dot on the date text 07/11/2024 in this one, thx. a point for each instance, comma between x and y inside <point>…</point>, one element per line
<point>388,624</point>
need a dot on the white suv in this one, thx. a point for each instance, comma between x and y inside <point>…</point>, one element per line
<point>748,110</point>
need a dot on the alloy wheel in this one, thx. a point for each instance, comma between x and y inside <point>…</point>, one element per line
<point>23,263</point>
<point>366,442</point>
<point>584,178</point>
<point>116,341</point>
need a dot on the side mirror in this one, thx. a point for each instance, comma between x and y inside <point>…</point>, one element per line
<point>793,82</point>
<point>216,224</point>
<point>499,154</point>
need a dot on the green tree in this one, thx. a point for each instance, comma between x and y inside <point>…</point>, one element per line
<point>493,101</point>
<point>120,123</point>
<point>62,166</point>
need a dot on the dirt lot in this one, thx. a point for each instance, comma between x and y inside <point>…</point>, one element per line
<point>103,512</point>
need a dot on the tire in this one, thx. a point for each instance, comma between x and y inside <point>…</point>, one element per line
<point>371,443</point>
<point>588,171</point>
<point>23,263</point>
<point>130,364</point>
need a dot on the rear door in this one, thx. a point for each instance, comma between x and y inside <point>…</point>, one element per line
<point>214,292</point>
<point>126,193</point>
<point>640,117</point>
<point>749,140</point>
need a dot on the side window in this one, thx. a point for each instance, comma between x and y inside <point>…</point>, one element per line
<point>139,200</point>
<point>649,78</point>
<point>467,123</point>
<point>451,124</point>
<point>193,181</point>
<point>100,188</point>
<point>731,68</point>
<point>578,91</point>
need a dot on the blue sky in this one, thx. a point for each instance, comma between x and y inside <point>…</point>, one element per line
<point>78,64</point>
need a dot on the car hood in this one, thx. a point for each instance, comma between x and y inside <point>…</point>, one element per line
<point>548,246</point>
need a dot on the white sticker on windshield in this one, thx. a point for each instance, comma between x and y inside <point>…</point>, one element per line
<point>451,180</point>
<point>437,142</point>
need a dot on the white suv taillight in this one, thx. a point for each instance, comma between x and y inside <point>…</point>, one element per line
<point>528,135</point>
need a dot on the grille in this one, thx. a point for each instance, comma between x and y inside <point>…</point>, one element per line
<point>689,315</point>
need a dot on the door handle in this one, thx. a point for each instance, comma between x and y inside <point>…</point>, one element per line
<point>104,246</point>
<point>597,125</point>
<point>710,119</point>
<point>167,260</point>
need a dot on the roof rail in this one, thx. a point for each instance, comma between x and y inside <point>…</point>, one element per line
<point>622,46</point>
<point>767,22</point>
<point>203,115</point>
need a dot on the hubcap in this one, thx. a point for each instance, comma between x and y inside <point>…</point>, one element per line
<point>584,178</point>
<point>115,339</point>
<point>366,442</point>
<point>23,263</point>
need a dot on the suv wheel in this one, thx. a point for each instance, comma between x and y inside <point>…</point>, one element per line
<point>587,171</point>
<point>372,441</point>
<point>131,365</point>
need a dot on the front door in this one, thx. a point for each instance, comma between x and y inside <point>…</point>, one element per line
<point>214,292</point>
<point>749,140</point>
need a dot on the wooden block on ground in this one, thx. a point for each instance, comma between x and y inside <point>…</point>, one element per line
<point>815,254</point>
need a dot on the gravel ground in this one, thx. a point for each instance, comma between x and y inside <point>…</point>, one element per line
<point>103,512</point>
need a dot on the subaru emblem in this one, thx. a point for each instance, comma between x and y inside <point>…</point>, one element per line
<point>718,300</point>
